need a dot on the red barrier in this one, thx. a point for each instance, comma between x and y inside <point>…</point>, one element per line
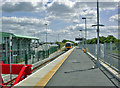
<point>21,70</point>
<point>23,74</point>
<point>15,68</point>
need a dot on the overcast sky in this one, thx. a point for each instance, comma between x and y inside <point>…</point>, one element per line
<point>64,18</point>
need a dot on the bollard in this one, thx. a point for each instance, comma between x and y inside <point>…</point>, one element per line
<point>87,49</point>
<point>84,50</point>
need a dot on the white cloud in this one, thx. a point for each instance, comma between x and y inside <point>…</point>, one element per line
<point>102,5</point>
<point>116,17</point>
<point>24,0</point>
<point>91,15</point>
<point>109,30</point>
<point>24,26</point>
<point>73,31</point>
<point>24,21</point>
<point>60,0</point>
<point>60,10</point>
<point>22,6</point>
<point>96,0</point>
<point>57,9</point>
<point>65,2</point>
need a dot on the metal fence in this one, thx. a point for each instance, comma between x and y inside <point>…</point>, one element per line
<point>36,54</point>
<point>108,53</point>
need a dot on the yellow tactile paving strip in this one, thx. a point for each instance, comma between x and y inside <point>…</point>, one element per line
<point>49,75</point>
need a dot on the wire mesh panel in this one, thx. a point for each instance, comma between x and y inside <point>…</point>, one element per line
<point>107,47</point>
<point>101,53</point>
<point>43,53</point>
<point>108,53</point>
<point>115,55</point>
<point>115,48</point>
<point>92,49</point>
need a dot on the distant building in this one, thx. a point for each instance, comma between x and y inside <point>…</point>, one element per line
<point>20,46</point>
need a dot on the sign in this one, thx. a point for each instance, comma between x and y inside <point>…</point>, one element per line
<point>78,39</point>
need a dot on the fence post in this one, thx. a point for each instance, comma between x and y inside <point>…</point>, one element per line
<point>105,52</point>
<point>100,49</point>
<point>111,54</point>
<point>26,60</point>
<point>95,45</point>
<point>37,59</point>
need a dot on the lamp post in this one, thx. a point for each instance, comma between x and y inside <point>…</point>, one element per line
<point>81,37</point>
<point>85,33</point>
<point>46,38</point>
<point>97,62</point>
<point>46,32</point>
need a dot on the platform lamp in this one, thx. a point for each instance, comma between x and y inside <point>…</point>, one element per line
<point>46,37</point>
<point>84,18</point>
<point>82,38</point>
<point>46,32</point>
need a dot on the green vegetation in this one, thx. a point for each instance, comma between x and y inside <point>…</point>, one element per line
<point>64,41</point>
<point>103,40</point>
<point>108,39</point>
<point>61,44</point>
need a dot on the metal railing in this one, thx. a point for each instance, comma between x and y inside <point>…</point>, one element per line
<point>108,53</point>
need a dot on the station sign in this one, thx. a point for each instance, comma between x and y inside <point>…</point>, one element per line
<point>78,39</point>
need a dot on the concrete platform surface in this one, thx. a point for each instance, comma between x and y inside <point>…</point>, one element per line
<point>77,70</point>
<point>43,75</point>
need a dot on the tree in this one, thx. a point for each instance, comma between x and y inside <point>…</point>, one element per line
<point>103,39</point>
<point>110,38</point>
<point>64,41</point>
<point>57,42</point>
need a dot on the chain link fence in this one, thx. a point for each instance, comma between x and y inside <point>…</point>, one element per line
<point>108,53</point>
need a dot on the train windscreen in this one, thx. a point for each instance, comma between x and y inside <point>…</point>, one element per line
<point>67,44</point>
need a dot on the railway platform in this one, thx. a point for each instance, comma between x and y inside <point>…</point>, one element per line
<point>73,68</point>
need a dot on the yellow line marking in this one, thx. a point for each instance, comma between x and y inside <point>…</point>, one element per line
<point>49,75</point>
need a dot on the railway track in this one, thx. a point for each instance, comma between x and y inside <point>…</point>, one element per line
<point>35,66</point>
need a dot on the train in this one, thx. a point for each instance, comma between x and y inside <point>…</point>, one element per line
<point>68,45</point>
